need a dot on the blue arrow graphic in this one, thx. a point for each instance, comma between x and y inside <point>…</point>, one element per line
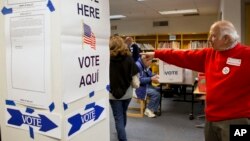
<point>46,124</point>
<point>6,10</point>
<point>98,111</point>
<point>50,6</point>
<point>78,120</point>
<point>17,119</point>
<point>76,123</point>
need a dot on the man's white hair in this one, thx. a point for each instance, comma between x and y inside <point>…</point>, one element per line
<point>227,28</point>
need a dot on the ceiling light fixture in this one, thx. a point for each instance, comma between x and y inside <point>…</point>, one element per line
<point>186,11</point>
<point>113,17</point>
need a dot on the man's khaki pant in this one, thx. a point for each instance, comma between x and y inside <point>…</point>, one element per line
<point>219,131</point>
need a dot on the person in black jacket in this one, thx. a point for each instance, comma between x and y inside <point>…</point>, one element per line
<point>133,47</point>
<point>123,72</point>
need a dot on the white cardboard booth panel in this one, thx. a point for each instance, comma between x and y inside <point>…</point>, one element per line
<point>53,76</point>
<point>175,75</point>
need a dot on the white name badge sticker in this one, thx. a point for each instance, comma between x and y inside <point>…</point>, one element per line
<point>233,61</point>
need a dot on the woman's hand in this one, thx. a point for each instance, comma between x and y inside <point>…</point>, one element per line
<point>155,78</point>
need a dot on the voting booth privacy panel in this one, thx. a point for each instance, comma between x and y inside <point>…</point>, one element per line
<point>175,75</point>
<point>55,60</point>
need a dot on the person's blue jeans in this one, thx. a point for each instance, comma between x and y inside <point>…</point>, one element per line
<point>119,108</point>
<point>154,94</point>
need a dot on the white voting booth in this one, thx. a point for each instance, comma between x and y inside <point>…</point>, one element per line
<point>53,76</point>
<point>172,74</point>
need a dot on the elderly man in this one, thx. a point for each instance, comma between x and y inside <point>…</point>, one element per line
<point>133,47</point>
<point>226,67</point>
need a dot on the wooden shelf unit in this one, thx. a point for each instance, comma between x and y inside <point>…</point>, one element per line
<point>177,41</point>
<point>146,42</point>
<point>194,41</point>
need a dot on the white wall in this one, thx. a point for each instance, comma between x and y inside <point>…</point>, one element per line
<point>231,11</point>
<point>182,24</point>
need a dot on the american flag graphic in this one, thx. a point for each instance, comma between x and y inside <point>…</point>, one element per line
<point>88,36</point>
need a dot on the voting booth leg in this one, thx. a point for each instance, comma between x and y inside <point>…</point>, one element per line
<point>191,115</point>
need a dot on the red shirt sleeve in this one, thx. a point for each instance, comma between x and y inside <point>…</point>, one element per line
<point>191,59</point>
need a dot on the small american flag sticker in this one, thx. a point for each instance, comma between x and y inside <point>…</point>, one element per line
<point>88,36</point>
